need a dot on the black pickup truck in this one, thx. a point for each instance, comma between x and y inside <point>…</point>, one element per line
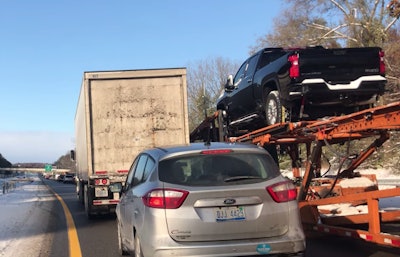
<point>279,84</point>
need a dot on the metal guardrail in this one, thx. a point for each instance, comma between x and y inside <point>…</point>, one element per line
<point>389,182</point>
<point>36,170</point>
<point>7,186</point>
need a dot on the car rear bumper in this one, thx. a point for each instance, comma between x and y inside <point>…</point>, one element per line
<point>283,245</point>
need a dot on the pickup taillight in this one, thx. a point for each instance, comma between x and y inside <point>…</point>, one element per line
<point>294,71</point>
<point>382,68</point>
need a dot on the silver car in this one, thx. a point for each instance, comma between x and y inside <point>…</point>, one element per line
<point>215,199</point>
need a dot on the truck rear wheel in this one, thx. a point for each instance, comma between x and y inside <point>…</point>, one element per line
<point>123,250</point>
<point>79,191</point>
<point>138,247</point>
<point>273,108</point>
<point>87,201</point>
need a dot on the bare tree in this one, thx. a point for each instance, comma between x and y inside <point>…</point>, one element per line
<point>335,23</point>
<point>291,29</point>
<point>65,162</point>
<point>332,22</point>
<point>392,58</point>
<point>4,163</point>
<point>206,79</point>
<point>344,23</point>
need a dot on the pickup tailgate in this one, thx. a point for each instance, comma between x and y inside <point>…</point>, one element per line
<point>339,65</point>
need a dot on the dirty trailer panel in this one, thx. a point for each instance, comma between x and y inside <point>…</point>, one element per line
<point>132,114</point>
<point>119,114</point>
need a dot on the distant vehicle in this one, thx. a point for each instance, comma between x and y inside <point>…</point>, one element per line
<point>120,113</point>
<point>278,84</point>
<point>56,176</point>
<point>208,200</point>
<point>69,178</point>
<point>60,177</point>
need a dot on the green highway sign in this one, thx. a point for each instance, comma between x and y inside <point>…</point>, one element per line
<point>48,167</point>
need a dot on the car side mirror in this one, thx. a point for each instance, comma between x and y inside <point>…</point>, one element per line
<point>229,83</point>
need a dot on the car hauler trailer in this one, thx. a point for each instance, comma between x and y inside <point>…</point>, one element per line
<point>120,113</point>
<point>316,191</point>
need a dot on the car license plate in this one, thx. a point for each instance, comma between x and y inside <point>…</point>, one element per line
<point>229,213</point>
<point>101,191</point>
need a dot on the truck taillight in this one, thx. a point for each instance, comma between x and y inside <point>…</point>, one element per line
<point>283,192</point>
<point>101,181</point>
<point>294,71</point>
<point>165,198</point>
<point>382,68</point>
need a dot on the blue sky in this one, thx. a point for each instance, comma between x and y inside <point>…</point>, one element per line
<point>46,46</point>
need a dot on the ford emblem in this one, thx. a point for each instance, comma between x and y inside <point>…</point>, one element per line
<point>229,201</point>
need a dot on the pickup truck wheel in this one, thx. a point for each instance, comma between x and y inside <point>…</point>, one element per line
<point>273,108</point>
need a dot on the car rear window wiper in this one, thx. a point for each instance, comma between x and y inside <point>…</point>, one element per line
<point>236,178</point>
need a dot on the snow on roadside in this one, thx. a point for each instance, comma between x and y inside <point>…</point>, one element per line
<point>385,204</point>
<point>23,219</point>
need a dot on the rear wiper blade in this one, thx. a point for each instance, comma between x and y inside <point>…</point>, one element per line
<point>230,179</point>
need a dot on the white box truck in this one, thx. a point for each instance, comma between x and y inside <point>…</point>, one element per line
<point>120,113</point>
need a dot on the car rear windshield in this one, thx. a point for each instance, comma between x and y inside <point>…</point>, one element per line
<point>217,169</point>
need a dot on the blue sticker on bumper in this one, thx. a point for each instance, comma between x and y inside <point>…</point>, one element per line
<point>263,248</point>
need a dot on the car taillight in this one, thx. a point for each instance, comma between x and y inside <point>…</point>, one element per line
<point>165,198</point>
<point>294,71</point>
<point>283,192</point>
<point>382,68</point>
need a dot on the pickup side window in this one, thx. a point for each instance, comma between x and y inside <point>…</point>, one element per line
<point>246,70</point>
<point>268,57</point>
<point>251,67</point>
<point>240,74</point>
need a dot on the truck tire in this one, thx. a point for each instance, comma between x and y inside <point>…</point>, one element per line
<point>123,250</point>
<point>138,247</point>
<point>273,108</point>
<point>87,201</point>
<point>79,191</point>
